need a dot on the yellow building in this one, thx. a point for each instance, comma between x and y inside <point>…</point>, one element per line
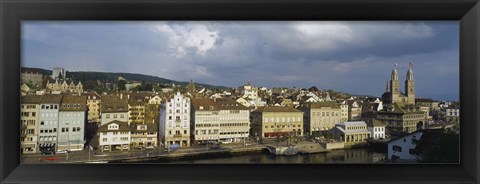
<point>270,121</point>
<point>93,104</point>
<point>321,116</point>
<point>30,108</point>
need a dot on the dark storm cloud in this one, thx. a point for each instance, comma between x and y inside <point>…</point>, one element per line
<point>355,57</point>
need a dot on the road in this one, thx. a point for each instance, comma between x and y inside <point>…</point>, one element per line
<point>83,155</point>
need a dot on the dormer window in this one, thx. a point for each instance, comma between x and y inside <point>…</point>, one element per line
<point>201,107</point>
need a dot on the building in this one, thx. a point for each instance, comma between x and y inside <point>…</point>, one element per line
<point>205,120</point>
<point>400,114</point>
<point>354,110</point>
<point>432,104</point>
<point>71,123</point>
<point>376,128</point>
<point>401,119</point>
<point>29,116</point>
<point>58,72</point>
<point>113,108</point>
<point>394,95</point>
<point>404,147</point>
<point>319,117</point>
<point>64,86</point>
<point>353,133</point>
<point>175,121</point>
<point>270,121</point>
<point>114,136</point>
<point>48,118</point>
<point>144,135</point>
<point>452,114</point>
<point>249,91</point>
<point>344,109</point>
<point>234,120</point>
<point>33,76</point>
<point>136,108</point>
<point>93,107</point>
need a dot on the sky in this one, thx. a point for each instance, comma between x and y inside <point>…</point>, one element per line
<point>355,57</point>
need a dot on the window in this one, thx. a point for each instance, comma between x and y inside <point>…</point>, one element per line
<point>411,151</point>
<point>104,140</point>
<point>397,148</point>
<point>185,132</point>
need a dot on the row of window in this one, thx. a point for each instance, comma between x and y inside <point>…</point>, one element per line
<point>325,114</point>
<point>49,107</point>
<point>115,139</point>
<point>230,133</point>
<point>29,106</point>
<point>205,132</point>
<point>48,115</point>
<point>28,122</point>
<point>47,138</point>
<point>73,105</point>
<point>48,130</point>
<point>115,116</point>
<point>356,127</point>
<point>282,119</point>
<point>283,126</point>
<point>27,114</point>
<point>233,124</point>
<point>48,123</point>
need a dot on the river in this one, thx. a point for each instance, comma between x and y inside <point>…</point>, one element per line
<point>359,155</point>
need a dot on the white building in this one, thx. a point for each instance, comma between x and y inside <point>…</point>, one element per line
<point>249,91</point>
<point>72,120</point>
<point>353,133</point>
<point>49,110</point>
<point>234,121</point>
<point>452,114</point>
<point>115,135</point>
<point>175,121</point>
<point>376,128</point>
<point>205,122</point>
<point>403,147</point>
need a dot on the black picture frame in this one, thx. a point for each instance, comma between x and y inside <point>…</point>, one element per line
<point>12,12</point>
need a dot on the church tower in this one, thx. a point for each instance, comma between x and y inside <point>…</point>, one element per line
<point>394,86</point>
<point>410,85</point>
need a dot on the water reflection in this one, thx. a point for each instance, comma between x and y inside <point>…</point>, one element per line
<point>362,155</point>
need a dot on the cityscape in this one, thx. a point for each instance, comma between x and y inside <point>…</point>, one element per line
<point>72,114</point>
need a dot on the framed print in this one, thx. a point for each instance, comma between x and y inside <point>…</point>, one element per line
<point>239,91</point>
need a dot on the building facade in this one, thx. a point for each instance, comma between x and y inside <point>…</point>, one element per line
<point>353,133</point>
<point>93,107</point>
<point>29,116</point>
<point>175,121</point>
<point>71,123</point>
<point>404,147</point>
<point>319,117</point>
<point>49,112</point>
<point>114,136</point>
<point>205,120</point>
<point>276,121</point>
<point>114,107</point>
<point>234,120</point>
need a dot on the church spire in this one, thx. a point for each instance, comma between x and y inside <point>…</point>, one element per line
<point>394,73</point>
<point>386,89</point>
<point>410,72</point>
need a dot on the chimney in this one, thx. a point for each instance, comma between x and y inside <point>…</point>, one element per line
<point>121,96</point>
<point>128,96</point>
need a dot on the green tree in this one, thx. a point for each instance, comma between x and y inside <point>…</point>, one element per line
<point>445,150</point>
<point>121,85</point>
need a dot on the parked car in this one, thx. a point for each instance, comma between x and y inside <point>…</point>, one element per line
<point>61,152</point>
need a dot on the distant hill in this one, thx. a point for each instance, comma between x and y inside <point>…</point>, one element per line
<point>113,77</point>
